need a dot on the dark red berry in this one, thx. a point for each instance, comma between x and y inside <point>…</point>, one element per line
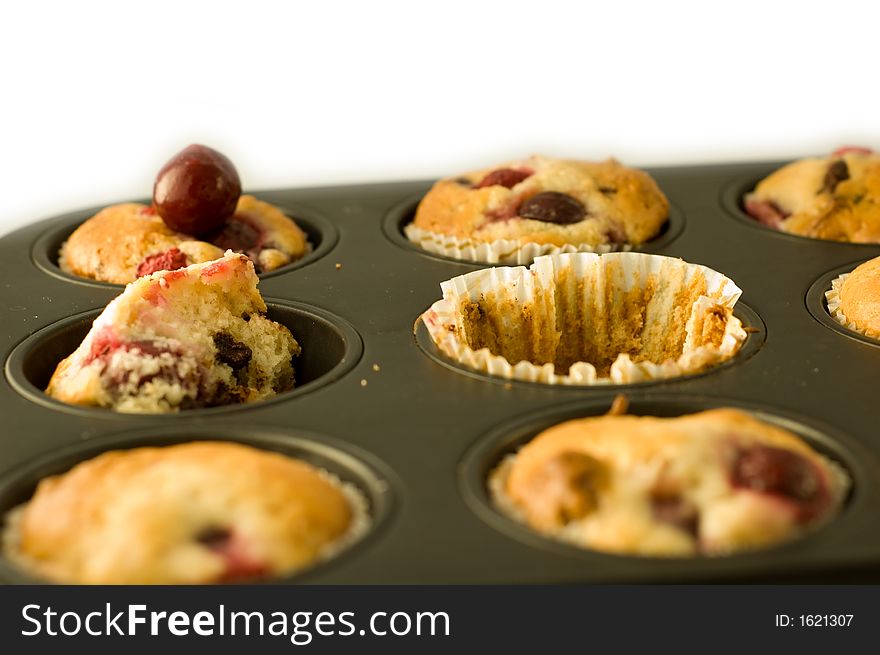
<point>239,235</point>
<point>553,207</point>
<point>837,172</point>
<point>197,190</point>
<point>855,149</point>
<point>214,537</point>
<point>780,472</point>
<point>506,177</point>
<point>238,564</point>
<point>170,260</point>
<point>766,212</point>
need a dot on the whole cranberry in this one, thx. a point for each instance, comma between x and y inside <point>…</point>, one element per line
<point>197,190</point>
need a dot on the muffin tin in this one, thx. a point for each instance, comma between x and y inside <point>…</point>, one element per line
<point>379,406</point>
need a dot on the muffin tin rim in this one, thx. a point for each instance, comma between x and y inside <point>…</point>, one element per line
<point>402,213</point>
<point>13,368</point>
<point>61,227</point>
<point>373,478</point>
<point>496,443</point>
<point>755,340</point>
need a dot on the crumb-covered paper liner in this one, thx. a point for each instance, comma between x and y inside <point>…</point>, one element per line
<point>832,296</point>
<point>585,319</point>
<point>501,251</point>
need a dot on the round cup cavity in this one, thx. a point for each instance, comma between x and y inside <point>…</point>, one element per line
<point>330,348</point>
<point>404,213</point>
<point>488,452</point>
<point>321,233</point>
<point>369,476</point>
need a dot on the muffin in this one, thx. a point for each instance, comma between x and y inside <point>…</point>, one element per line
<point>854,299</point>
<point>711,483</point>
<point>124,242</point>
<point>195,513</point>
<point>522,209</point>
<point>585,319</point>
<point>835,198</point>
<point>194,337</point>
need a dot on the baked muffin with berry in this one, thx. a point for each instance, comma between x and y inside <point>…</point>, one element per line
<point>542,205</point>
<point>190,338</point>
<point>711,483</point>
<point>835,198</point>
<point>193,513</point>
<point>198,212</point>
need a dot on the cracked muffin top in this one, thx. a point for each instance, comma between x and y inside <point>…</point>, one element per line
<point>124,242</point>
<point>710,483</point>
<point>194,513</point>
<point>547,201</point>
<point>835,198</point>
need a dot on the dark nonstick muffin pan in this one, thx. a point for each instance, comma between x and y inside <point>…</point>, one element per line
<point>378,405</point>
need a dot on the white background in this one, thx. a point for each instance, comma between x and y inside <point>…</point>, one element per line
<point>95,96</point>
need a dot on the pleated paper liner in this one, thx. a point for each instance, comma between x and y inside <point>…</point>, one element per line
<point>501,251</point>
<point>589,319</point>
<point>833,298</point>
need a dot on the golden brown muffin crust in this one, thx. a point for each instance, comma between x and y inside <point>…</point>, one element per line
<point>835,198</point>
<point>655,486</point>
<point>860,298</point>
<point>137,516</point>
<point>622,204</point>
<point>112,244</point>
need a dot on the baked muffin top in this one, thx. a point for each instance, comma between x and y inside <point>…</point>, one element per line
<point>199,512</point>
<point>708,483</point>
<point>860,298</point>
<point>835,198</point>
<point>129,240</point>
<point>547,201</point>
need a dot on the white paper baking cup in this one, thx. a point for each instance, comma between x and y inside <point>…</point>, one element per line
<point>588,302</point>
<point>501,251</point>
<point>833,298</point>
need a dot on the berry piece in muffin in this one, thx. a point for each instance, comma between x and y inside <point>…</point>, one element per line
<point>194,513</point>
<point>198,212</point>
<point>547,201</point>
<point>195,337</point>
<point>710,483</point>
<point>835,198</point>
